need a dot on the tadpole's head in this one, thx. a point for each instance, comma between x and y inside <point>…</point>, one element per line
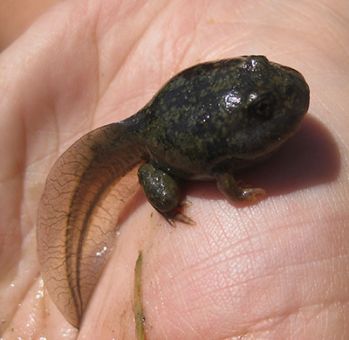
<point>266,102</point>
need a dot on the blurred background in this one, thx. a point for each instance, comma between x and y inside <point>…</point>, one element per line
<point>17,15</point>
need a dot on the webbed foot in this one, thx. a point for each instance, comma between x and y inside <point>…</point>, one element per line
<point>234,191</point>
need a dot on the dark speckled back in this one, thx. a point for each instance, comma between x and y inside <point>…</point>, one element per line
<point>221,111</point>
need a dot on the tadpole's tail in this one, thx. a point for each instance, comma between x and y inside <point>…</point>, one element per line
<point>78,215</point>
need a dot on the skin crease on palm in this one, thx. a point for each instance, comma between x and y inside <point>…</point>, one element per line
<point>278,269</point>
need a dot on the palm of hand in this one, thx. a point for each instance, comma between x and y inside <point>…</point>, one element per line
<point>278,269</point>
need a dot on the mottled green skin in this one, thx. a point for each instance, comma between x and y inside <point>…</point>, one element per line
<point>215,118</point>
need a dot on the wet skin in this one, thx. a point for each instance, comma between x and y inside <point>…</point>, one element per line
<point>206,123</point>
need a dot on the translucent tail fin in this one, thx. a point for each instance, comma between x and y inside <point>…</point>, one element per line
<point>78,215</point>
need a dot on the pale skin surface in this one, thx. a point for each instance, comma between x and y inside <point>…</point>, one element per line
<point>275,270</point>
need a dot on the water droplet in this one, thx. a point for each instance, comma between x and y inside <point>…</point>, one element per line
<point>67,332</point>
<point>39,294</point>
<point>102,251</point>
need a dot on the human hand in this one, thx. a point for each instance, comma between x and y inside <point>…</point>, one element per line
<point>278,269</point>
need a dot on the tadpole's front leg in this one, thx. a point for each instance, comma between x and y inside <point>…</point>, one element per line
<point>163,193</point>
<point>227,184</point>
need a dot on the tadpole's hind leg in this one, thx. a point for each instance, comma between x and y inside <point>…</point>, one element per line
<point>163,193</point>
<point>232,190</point>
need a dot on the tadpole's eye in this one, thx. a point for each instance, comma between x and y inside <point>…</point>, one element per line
<point>263,106</point>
